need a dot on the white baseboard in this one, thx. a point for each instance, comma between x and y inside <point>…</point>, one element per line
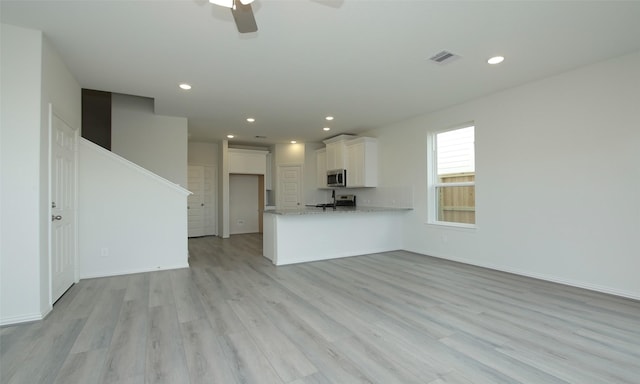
<point>21,319</point>
<point>131,272</point>
<point>553,279</point>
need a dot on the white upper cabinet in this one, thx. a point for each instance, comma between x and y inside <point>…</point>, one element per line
<point>362,162</point>
<point>321,168</point>
<point>247,161</point>
<point>337,152</point>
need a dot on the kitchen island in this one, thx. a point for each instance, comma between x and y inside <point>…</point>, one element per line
<point>310,234</point>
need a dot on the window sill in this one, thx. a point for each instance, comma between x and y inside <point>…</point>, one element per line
<point>448,224</point>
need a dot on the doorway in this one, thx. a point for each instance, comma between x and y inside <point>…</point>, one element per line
<point>246,203</point>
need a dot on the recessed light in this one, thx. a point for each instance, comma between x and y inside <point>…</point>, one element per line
<point>230,136</point>
<point>329,118</point>
<point>326,129</point>
<point>293,141</point>
<point>495,60</point>
<point>251,119</point>
<point>185,86</point>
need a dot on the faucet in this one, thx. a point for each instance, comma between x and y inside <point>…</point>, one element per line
<point>333,196</point>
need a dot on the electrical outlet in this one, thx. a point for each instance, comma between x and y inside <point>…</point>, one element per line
<point>240,222</point>
<point>104,252</point>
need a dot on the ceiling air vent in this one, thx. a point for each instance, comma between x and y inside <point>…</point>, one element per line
<point>444,57</point>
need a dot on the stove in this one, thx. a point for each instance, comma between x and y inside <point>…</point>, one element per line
<point>341,201</point>
<point>346,201</point>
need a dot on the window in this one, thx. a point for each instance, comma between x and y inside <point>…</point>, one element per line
<point>451,177</point>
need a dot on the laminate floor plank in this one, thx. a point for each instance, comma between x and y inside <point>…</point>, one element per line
<point>248,311</point>
<point>99,327</point>
<point>83,367</point>
<point>165,355</point>
<point>393,317</point>
<point>315,347</point>
<point>138,287</point>
<point>372,298</point>
<point>391,348</point>
<point>486,354</point>
<point>129,343</point>
<point>16,343</point>
<point>555,364</point>
<point>160,289</point>
<point>376,363</point>
<point>206,360</point>
<point>598,360</point>
<point>451,378</point>
<point>48,354</point>
<point>285,357</point>
<point>186,296</point>
<point>221,316</point>
<point>249,365</point>
<point>84,296</point>
<point>316,378</point>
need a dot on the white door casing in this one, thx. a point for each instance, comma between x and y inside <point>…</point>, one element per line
<point>289,186</point>
<point>210,221</point>
<point>63,179</point>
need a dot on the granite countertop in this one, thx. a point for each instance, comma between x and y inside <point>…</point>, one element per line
<point>330,211</point>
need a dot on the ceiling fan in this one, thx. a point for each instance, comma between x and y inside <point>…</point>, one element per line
<point>242,14</point>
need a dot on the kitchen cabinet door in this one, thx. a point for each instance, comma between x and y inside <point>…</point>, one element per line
<point>336,157</point>
<point>362,162</point>
<point>245,161</point>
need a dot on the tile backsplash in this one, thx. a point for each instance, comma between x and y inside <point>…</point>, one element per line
<point>396,197</point>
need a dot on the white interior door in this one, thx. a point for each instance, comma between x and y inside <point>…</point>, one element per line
<point>289,186</point>
<point>63,206</point>
<point>195,201</point>
<point>201,204</point>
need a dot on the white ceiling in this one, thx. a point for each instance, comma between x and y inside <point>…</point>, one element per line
<point>363,61</point>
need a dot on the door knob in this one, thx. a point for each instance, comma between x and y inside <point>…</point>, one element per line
<point>54,217</point>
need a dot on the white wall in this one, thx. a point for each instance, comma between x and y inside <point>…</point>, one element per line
<point>157,143</point>
<point>243,204</point>
<point>558,178</point>
<point>20,261</point>
<point>199,153</point>
<point>130,220</point>
<point>32,76</point>
<point>223,189</point>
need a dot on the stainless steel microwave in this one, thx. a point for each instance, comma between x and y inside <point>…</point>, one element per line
<point>337,178</point>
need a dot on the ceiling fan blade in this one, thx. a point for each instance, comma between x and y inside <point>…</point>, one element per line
<point>243,15</point>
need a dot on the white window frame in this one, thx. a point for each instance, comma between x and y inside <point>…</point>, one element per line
<point>433,184</point>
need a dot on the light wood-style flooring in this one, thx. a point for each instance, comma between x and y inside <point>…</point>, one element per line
<point>394,317</point>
